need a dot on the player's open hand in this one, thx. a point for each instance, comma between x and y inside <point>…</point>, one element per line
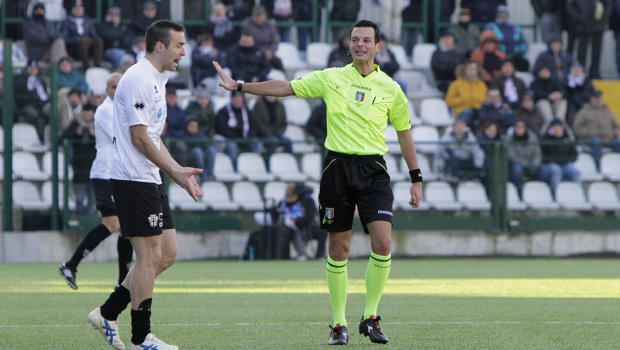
<point>227,83</point>
<point>186,179</point>
<point>416,194</point>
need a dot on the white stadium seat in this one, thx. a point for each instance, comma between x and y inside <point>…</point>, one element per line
<point>537,195</point>
<point>252,166</point>
<point>180,199</point>
<point>284,167</point>
<point>603,196</point>
<point>247,195</point>
<point>217,197</point>
<point>473,196</point>
<point>440,196</point>
<point>570,195</point>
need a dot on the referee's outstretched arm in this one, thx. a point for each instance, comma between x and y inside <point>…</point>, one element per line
<point>278,88</point>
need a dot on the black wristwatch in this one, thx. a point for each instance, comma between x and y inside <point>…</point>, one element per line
<point>240,84</point>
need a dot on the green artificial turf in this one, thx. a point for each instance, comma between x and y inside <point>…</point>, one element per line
<point>427,304</point>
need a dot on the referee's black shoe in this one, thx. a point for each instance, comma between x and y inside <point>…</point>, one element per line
<point>339,335</point>
<point>370,328</point>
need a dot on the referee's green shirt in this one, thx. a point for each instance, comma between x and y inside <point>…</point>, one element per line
<point>358,108</point>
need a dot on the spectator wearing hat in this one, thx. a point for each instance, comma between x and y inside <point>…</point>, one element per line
<point>482,11</point>
<point>596,124</point>
<point>265,34</point>
<point>43,40</point>
<point>527,111</point>
<point>220,28</point>
<point>549,95</point>
<point>81,37</point>
<point>511,87</point>
<point>31,96</point>
<point>236,122</point>
<point>549,17</point>
<point>465,33</point>
<point>270,124</point>
<point>445,60</point>
<point>202,59</point>
<point>557,60</point>
<point>488,55</point>
<point>116,37</point>
<point>579,89</point>
<point>558,155</point>
<point>246,61</point>
<point>468,91</point>
<point>81,132</point>
<point>69,77</point>
<point>460,155</point>
<point>143,20</point>
<point>589,20</point>
<point>524,154</point>
<point>511,39</point>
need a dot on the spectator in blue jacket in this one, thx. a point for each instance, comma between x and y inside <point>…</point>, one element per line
<point>512,40</point>
<point>81,37</point>
<point>175,126</point>
<point>69,77</point>
<point>556,59</point>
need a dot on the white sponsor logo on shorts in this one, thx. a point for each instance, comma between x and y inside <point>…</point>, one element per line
<point>385,212</point>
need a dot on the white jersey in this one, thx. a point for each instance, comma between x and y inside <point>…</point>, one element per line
<point>104,135</point>
<point>139,100</point>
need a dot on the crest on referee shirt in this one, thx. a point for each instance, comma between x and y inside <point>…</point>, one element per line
<point>359,97</point>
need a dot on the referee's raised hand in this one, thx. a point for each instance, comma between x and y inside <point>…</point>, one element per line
<point>227,83</point>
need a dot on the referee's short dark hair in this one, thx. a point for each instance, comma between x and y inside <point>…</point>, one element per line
<point>366,23</point>
<point>160,31</point>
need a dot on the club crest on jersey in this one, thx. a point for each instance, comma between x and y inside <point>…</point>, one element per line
<point>359,97</point>
<point>139,105</point>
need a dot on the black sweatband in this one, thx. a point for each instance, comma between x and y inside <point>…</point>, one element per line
<point>416,175</point>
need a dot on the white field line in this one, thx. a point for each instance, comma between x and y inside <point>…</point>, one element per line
<point>465,323</point>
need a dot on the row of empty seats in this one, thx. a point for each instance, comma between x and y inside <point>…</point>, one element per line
<point>438,195</point>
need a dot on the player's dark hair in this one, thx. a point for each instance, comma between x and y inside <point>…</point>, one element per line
<point>370,24</point>
<point>160,31</point>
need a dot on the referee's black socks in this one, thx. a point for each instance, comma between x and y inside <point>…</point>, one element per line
<point>116,303</point>
<point>141,322</point>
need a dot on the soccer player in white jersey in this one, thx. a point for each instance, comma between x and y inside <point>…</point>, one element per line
<point>141,203</point>
<point>100,178</point>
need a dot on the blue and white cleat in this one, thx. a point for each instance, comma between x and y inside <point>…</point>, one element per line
<point>109,329</point>
<point>152,343</point>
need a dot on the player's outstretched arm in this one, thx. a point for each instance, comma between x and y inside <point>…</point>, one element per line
<point>408,149</point>
<point>164,161</point>
<point>278,88</point>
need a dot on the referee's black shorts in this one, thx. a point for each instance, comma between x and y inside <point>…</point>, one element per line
<point>104,202</point>
<point>350,180</point>
<point>143,208</point>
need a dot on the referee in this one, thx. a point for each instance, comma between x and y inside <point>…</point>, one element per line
<point>360,100</point>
